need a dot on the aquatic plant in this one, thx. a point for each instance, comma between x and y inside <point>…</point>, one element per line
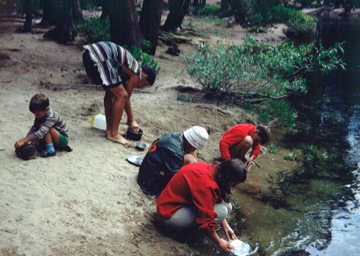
<point>292,156</point>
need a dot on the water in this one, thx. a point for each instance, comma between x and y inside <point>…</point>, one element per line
<point>345,94</point>
<point>345,223</point>
<point>316,211</point>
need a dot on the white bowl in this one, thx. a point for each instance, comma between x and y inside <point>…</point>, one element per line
<point>241,248</point>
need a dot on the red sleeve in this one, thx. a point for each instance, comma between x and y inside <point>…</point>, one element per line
<point>204,200</point>
<point>256,150</point>
<point>231,137</point>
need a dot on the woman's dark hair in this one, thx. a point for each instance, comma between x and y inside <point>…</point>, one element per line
<point>232,170</point>
<point>150,72</point>
<point>264,134</point>
<point>39,102</point>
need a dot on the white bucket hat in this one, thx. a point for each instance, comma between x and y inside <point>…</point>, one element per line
<point>196,136</point>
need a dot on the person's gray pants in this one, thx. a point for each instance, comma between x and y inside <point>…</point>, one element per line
<point>184,218</point>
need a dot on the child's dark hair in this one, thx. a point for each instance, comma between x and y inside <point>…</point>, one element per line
<point>39,102</point>
<point>264,134</point>
<point>150,72</point>
<point>232,170</point>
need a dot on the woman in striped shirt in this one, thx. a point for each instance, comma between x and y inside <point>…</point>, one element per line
<point>118,72</point>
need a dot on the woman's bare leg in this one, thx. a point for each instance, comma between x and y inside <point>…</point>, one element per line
<point>116,113</point>
<point>108,103</point>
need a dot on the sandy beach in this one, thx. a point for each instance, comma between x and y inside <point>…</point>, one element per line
<point>87,202</point>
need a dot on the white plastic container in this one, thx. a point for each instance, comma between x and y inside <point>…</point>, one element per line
<point>241,248</point>
<point>98,121</point>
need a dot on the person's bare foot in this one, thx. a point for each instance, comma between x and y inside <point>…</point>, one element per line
<point>119,139</point>
<point>122,133</point>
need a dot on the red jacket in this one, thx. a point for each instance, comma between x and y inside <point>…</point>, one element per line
<point>234,135</point>
<point>193,184</point>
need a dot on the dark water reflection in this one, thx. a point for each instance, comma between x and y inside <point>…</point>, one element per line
<point>330,116</point>
<point>339,95</point>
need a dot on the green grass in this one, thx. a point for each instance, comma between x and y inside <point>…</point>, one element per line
<point>220,22</point>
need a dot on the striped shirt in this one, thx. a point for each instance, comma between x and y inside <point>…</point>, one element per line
<point>52,119</point>
<point>108,58</point>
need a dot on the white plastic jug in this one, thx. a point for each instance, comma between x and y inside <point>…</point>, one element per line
<point>98,121</point>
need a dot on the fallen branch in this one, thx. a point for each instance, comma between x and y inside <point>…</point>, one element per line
<point>169,38</point>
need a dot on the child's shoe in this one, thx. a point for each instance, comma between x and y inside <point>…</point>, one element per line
<point>45,153</point>
<point>68,148</point>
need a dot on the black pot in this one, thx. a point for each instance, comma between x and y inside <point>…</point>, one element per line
<point>26,152</point>
<point>136,136</point>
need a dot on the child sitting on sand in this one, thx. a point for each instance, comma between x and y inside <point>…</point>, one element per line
<point>48,126</point>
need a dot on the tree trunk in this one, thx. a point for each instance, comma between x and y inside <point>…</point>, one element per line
<point>29,9</point>
<point>225,5</point>
<point>178,9</point>
<point>46,18</point>
<point>66,12</point>
<point>199,2</point>
<point>150,20</point>
<point>124,24</point>
<point>77,12</point>
<point>105,9</point>
<point>241,11</point>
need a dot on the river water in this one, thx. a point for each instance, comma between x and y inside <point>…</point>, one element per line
<point>321,214</point>
<point>316,210</point>
<point>341,98</point>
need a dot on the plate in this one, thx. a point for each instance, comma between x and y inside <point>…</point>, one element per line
<point>135,160</point>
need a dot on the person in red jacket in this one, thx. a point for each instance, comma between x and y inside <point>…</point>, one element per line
<point>239,139</point>
<point>198,196</point>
